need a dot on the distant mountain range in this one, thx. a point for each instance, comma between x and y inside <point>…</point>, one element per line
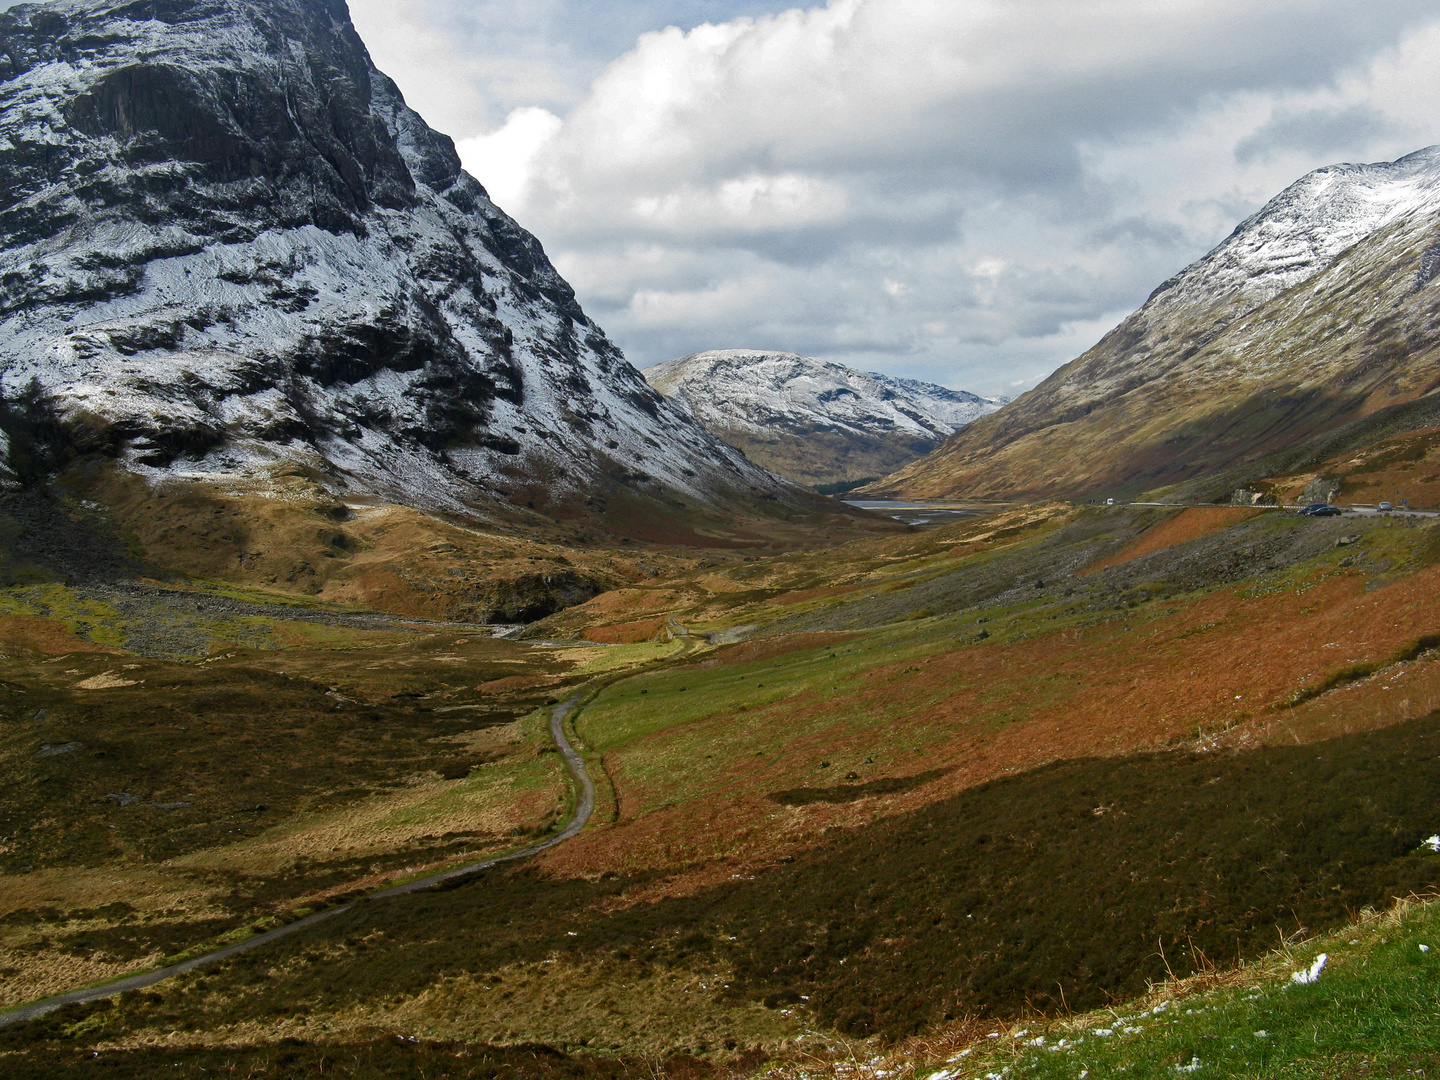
<point>813,421</point>
<point>1311,328</point>
<point>228,247</point>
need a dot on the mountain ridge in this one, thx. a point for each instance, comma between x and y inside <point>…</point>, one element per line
<point>229,246</point>
<point>815,421</point>
<point>1313,313</point>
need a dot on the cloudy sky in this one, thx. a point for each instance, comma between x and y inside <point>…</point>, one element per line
<point>965,191</point>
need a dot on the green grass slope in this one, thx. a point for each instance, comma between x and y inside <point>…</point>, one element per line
<point>1371,1012</point>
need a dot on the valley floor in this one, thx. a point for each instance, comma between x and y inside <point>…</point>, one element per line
<point>854,805</point>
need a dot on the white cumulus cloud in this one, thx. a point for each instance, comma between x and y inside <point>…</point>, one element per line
<point>959,190</point>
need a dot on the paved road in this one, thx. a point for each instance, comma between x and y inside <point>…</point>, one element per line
<point>585,806</point>
<point>1346,511</point>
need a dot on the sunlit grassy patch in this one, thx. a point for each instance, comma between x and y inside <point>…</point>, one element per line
<point>1055,889</point>
<point>253,595</point>
<point>325,636</point>
<point>920,790</point>
<point>89,618</point>
<point>615,657</point>
<point>478,812</point>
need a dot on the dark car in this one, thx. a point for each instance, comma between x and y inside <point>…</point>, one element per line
<point>1321,510</point>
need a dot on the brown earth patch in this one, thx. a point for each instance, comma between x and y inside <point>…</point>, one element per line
<point>292,537</point>
<point>305,635</point>
<point>1402,467</point>
<point>20,634</point>
<point>809,594</point>
<point>629,601</point>
<point>513,682</point>
<point>1190,524</point>
<point>627,633</point>
<point>844,793</point>
<point>1395,486</point>
<point>716,584</point>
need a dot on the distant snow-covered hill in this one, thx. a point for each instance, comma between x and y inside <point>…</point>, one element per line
<point>227,245</point>
<point>814,421</point>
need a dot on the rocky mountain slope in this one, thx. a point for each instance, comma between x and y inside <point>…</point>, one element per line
<point>1318,311</point>
<point>227,248</point>
<point>814,421</point>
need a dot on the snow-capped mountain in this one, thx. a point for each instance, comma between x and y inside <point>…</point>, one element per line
<point>1302,229</point>
<point>811,420</point>
<point>226,243</point>
<point>1317,311</point>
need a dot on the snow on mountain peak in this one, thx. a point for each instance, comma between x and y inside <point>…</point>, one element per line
<point>744,390</point>
<point>815,421</point>
<point>226,242</point>
<point>1317,313</point>
<point>1297,233</point>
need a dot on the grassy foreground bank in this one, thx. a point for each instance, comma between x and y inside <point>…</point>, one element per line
<point>1370,1011</point>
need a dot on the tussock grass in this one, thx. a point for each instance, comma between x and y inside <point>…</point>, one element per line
<point>372,1059</point>
<point>241,786</point>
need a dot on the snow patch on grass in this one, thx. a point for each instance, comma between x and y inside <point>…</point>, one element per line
<point>1312,973</point>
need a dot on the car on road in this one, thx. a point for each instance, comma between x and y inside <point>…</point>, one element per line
<point>1385,506</point>
<point>1320,510</point>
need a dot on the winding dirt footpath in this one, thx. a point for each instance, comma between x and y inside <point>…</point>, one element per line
<point>585,806</point>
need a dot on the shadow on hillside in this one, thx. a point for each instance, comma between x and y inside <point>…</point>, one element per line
<point>1068,887</point>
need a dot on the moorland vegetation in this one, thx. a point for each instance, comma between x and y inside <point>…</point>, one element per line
<point>331,528</point>
<point>851,802</point>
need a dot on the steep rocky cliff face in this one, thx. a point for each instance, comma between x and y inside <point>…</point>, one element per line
<point>1319,311</point>
<point>227,246</point>
<point>814,421</point>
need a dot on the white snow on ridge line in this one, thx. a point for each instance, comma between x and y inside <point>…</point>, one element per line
<point>1300,231</point>
<point>1291,241</point>
<point>738,389</point>
<point>204,380</point>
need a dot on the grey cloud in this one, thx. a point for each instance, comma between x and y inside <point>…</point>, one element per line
<point>941,189</point>
<point>972,227</point>
<point>1024,132</point>
<point>1146,231</point>
<point>1316,131</point>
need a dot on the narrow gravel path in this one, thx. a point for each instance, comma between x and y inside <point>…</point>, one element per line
<point>585,806</point>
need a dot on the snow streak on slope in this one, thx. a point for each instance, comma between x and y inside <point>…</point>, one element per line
<point>226,242</point>
<point>1287,242</point>
<point>815,422</point>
